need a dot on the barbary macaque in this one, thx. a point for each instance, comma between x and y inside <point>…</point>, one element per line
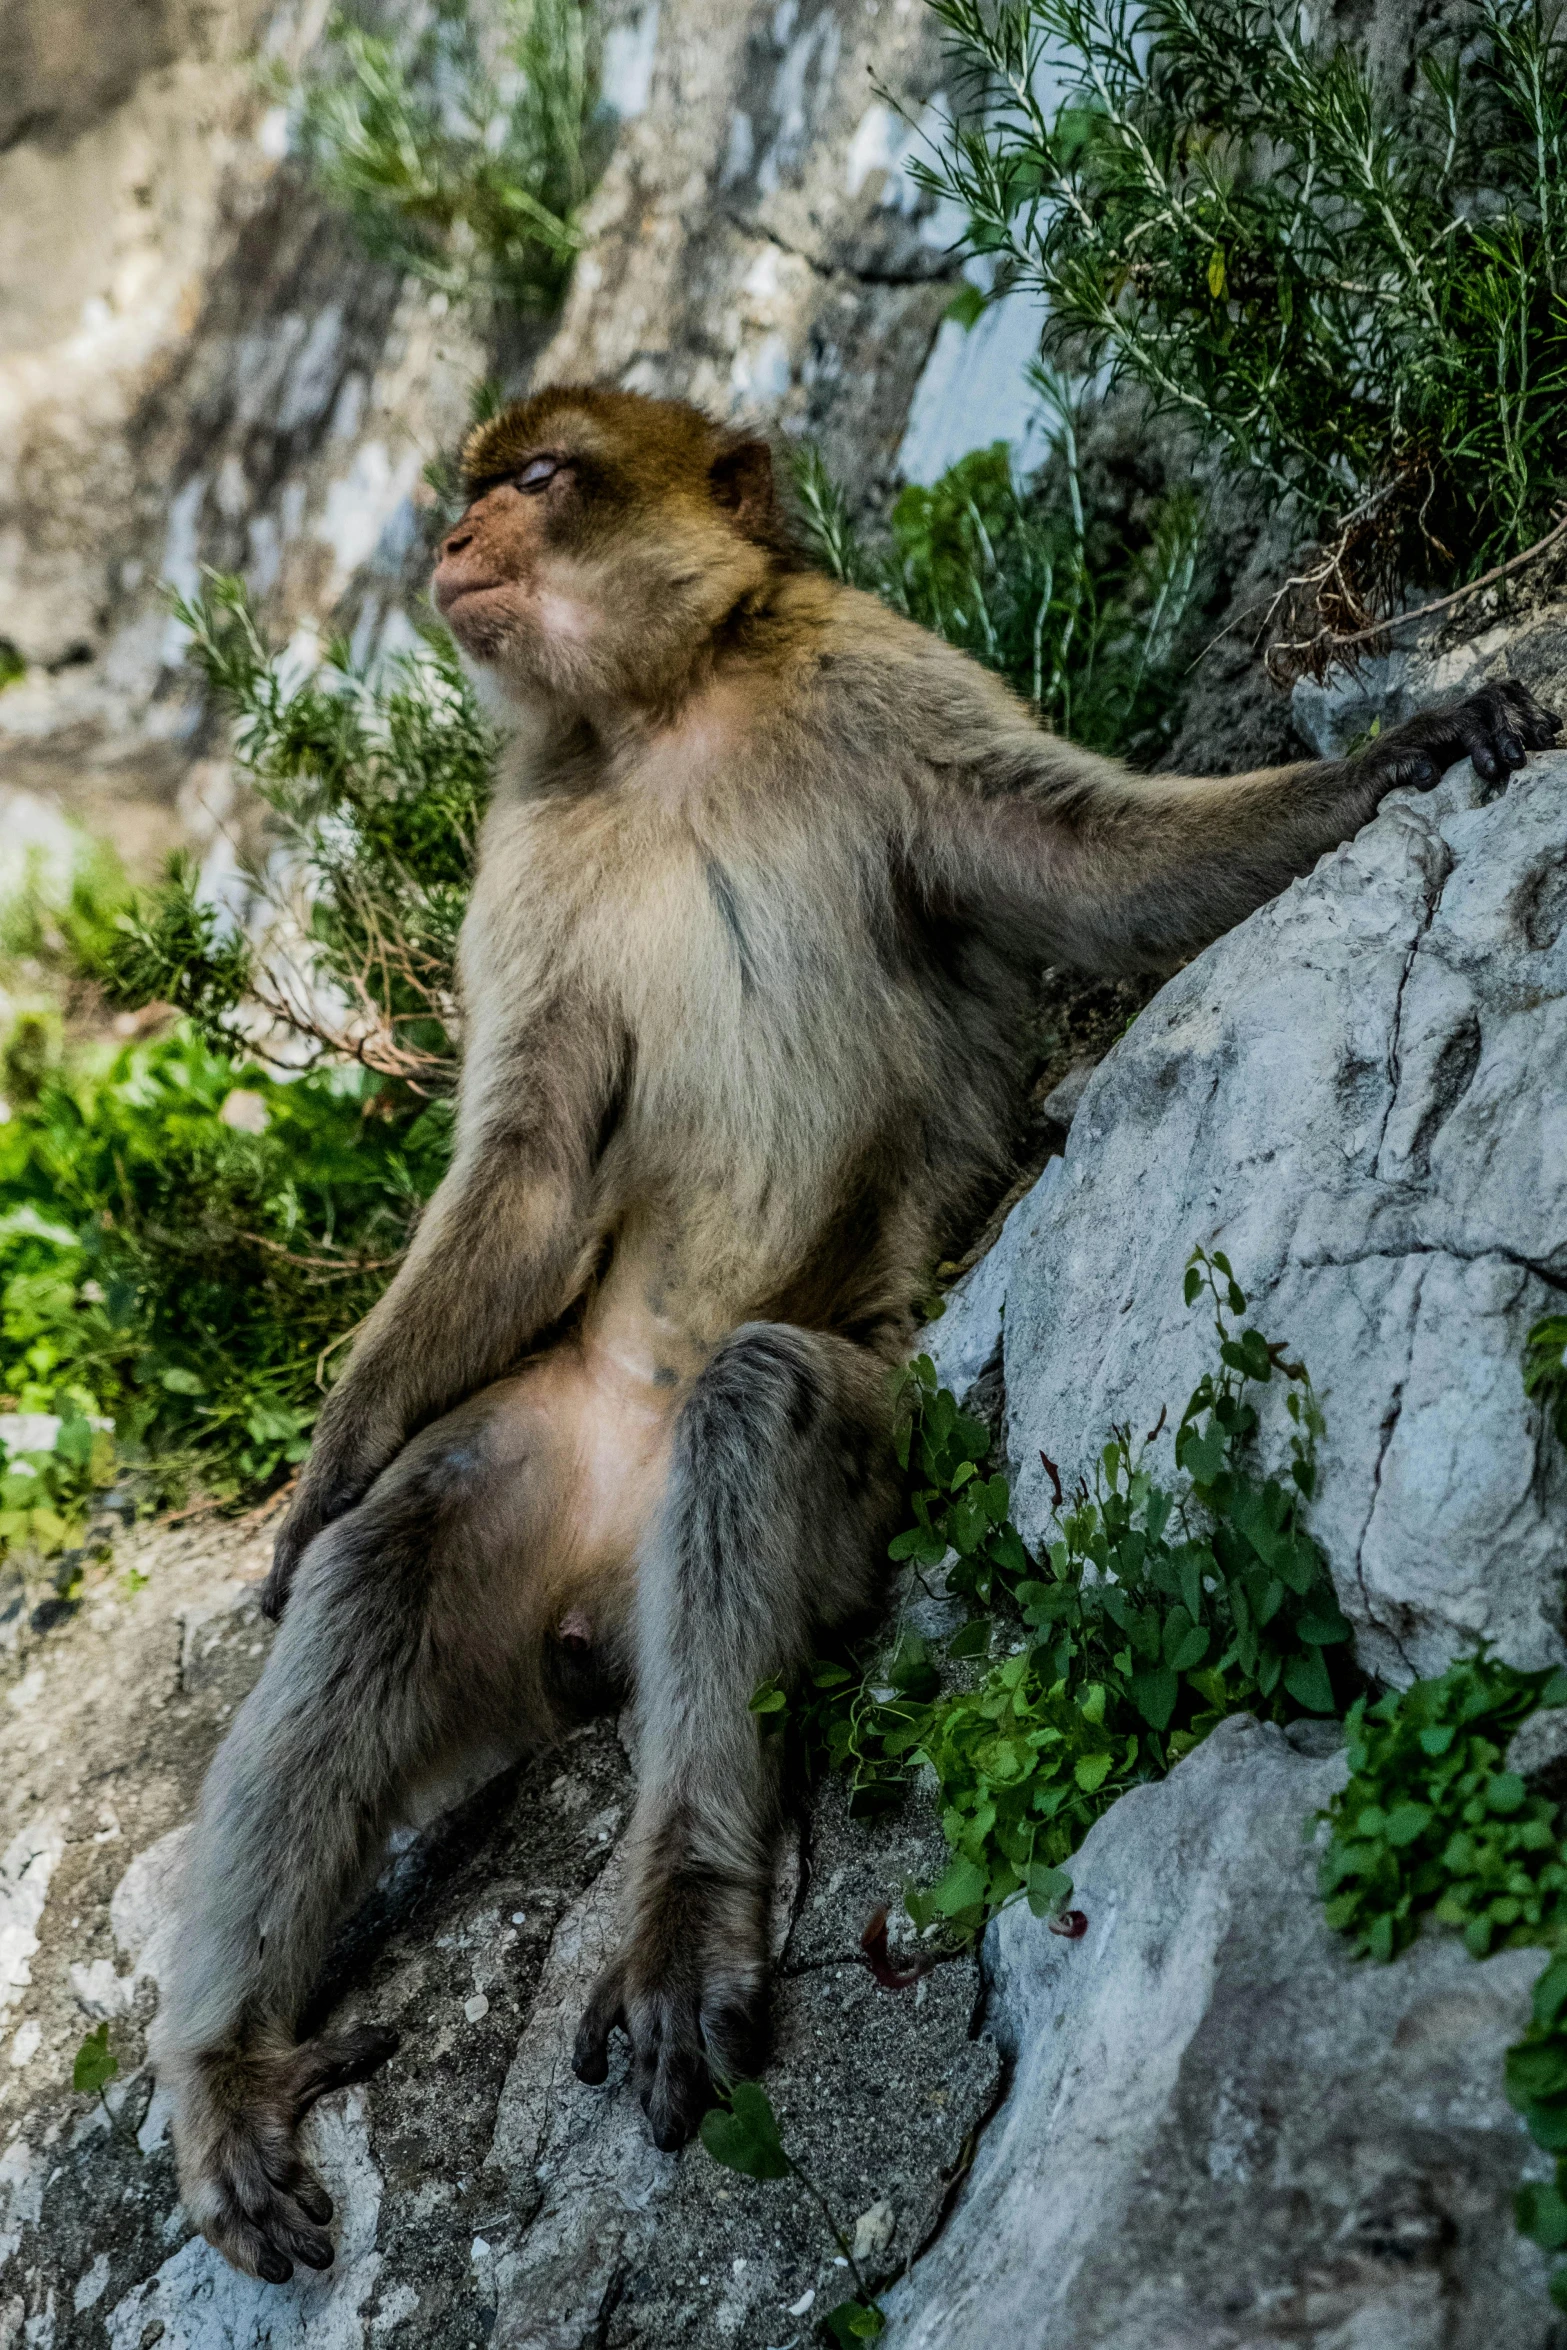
<point>761,900</point>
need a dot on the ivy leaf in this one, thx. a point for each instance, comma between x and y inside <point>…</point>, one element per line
<point>1092,1770</point>
<point>744,2136</point>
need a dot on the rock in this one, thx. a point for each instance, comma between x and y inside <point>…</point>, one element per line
<point>1060,1105</point>
<point>757,242</point>
<point>1538,1752</point>
<point>205,368</point>
<point>1359,1096</point>
<point>1220,2131</point>
<point>481,2191</point>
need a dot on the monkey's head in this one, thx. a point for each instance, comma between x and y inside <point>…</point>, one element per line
<point>608,539</point>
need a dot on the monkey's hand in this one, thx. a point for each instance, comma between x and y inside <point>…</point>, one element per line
<point>236,2128</point>
<point>1497,728</point>
<point>688,1990</point>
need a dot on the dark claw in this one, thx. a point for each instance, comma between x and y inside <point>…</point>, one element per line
<point>313,2201</point>
<point>604,2014</point>
<point>273,2267</point>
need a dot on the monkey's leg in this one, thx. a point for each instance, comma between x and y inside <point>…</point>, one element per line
<point>775,1520</point>
<point>413,1640</point>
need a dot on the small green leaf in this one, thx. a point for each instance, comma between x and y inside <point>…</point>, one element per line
<point>1550,1993</point>
<point>1154,1695</point>
<point>1306,1679</point>
<point>96,2064</point>
<point>854,2321</point>
<point>1541,2215</point>
<point>960,1887</point>
<point>1092,1770</point>
<point>1407,1821</point>
<point>744,2136</point>
<point>1047,1890</point>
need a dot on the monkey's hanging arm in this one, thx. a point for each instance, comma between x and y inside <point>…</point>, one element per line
<point>498,1257</point>
<point>1114,871</point>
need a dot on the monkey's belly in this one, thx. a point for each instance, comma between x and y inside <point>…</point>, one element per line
<point>607,1400</point>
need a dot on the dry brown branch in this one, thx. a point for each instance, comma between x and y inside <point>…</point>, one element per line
<point>337,1266</point>
<point>1328,586</point>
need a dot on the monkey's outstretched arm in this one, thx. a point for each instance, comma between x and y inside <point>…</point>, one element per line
<point>1117,872</point>
<point>498,1256</point>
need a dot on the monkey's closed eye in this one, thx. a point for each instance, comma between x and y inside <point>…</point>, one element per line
<point>536,473</point>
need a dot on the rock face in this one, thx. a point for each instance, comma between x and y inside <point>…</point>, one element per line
<point>482,2192</point>
<point>1359,1096</point>
<point>204,368</point>
<point>1219,2130</point>
<point>757,245</point>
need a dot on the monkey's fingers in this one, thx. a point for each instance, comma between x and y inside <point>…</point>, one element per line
<point>1496,728</point>
<point>605,2013</point>
<point>335,2060</point>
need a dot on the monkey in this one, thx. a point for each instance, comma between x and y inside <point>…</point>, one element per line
<point>766,882</point>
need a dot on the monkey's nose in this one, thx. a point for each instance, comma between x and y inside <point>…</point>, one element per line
<point>455,544</point>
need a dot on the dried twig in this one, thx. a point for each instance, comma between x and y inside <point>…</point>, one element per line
<point>1328,646</point>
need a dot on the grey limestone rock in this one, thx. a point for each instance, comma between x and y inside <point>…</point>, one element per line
<point>1222,2133</point>
<point>1360,1095</point>
<point>482,2192</point>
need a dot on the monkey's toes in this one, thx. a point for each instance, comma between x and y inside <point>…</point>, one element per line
<point>604,2014</point>
<point>264,2209</point>
<point>1496,729</point>
<point>686,2047</point>
<point>337,2059</point>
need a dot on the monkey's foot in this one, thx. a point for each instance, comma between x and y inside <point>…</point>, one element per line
<point>243,2179</point>
<point>692,2008</point>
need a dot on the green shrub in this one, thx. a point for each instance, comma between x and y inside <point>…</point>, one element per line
<point>1537,2085</point>
<point>1081,615</point>
<point>1356,295</point>
<point>1545,1369</point>
<point>461,157</point>
<point>1152,1615</point>
<point>1433,1821</point>
<point>376,788</point>
<point>184,1275</point>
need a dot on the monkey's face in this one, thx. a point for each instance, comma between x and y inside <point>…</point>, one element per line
<point>607,538</point>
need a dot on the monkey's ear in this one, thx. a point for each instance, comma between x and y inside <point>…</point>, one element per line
<point>742,483</point>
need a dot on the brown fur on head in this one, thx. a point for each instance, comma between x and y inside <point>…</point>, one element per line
<point>609,539</point>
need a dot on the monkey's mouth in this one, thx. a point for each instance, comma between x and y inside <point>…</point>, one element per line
<point>449,596</point>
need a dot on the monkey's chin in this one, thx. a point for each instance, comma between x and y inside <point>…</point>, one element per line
<point>484,621</point>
